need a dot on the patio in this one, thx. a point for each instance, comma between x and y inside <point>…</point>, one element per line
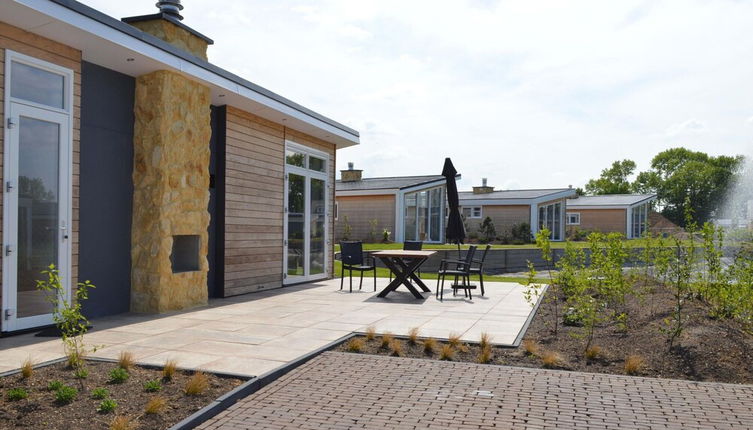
<point>252,334</point>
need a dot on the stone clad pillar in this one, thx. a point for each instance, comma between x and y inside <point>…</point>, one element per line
<point>171,191</point>
<point>169,239</point>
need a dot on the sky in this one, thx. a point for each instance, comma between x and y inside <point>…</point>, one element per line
<point>529,94</point>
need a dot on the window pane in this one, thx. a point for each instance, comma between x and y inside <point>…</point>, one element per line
<point>317,164</point>
<point>435,218</point>
<point>557,221</point>
<point>295,158</point>
<point>317,223</point>
<point>422,214</point>
<point>38,207</point>
<point>37,85</point>
<point>410,216</point>
<point>296,226</point>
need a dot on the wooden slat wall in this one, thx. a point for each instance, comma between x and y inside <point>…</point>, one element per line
<point>36,46</point>
<point>254,184</point>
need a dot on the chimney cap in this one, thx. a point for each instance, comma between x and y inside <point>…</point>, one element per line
<point>483,182</point>
<point>170,7</point>
<point>350,165</point>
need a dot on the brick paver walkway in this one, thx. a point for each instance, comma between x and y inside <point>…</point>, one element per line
<point>341,390</point>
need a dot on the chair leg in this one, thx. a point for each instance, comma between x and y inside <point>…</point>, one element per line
<point>360,284</point>
<point>481,281</point>
<point>470,293</point>
<point>342,276</point>
<point>375,279</point>
<point>441,290</point>
<point>350,275</point>
<point>439,276</point>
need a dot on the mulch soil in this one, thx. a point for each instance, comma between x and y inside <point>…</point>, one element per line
<point>40,410</point>
<point>709,349</point>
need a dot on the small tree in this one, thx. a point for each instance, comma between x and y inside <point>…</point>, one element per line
<point>67,314</point>
<point>373,230</point>
<point>487,230</point>
<point>347,229</point>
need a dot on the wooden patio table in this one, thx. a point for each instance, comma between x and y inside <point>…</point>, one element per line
<point>404,265</point>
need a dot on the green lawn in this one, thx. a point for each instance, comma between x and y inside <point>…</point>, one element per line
<point>632,243</point>
<point>385,273</point>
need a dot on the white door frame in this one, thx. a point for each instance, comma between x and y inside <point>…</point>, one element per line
<point>308,175</point>
<point>15,108</point>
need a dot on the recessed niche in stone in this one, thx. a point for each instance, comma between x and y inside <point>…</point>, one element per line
<point>185,254</point>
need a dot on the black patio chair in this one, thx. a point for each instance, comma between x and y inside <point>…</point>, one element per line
<point>460,270</point>
<point>480,268</point>
<point>412,245</point>
<point>351,255</point>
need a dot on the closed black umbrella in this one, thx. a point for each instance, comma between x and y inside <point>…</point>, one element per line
<point>455,228</point>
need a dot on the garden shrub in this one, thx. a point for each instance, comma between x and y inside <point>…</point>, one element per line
<point>66,394</point>
<point>487,230</point>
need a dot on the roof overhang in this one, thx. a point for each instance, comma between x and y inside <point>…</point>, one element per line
<point>604,207</point>
<point>354,193</point>
<point>518,202</point>
<point>110,43</point>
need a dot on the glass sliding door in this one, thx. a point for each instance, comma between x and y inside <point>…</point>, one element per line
<point>36,201</point>
<point>306,227</point>
<point>550,218</point>
<point>423,215</point>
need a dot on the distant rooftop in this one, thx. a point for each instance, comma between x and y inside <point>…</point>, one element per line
<point>387,183</point>
<point>611,200</point>
<point>512,194</point>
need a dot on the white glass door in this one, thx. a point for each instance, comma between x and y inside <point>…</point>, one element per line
<point>35,212</point>
<point>306,229</point>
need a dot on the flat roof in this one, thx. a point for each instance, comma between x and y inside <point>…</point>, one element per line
<point>388,183</point>
<point>108,42</point>
<point>611,200</point>
<point>514,194</point>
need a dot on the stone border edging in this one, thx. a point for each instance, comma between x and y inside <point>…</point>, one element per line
<point>524,329</point>
<point>251,386</point>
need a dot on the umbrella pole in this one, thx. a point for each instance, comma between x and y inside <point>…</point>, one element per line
<point>460,258</point>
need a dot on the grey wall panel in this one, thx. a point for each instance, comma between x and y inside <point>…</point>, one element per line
<point>106,193</point>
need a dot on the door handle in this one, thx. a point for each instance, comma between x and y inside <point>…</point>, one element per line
<point>65,232</point>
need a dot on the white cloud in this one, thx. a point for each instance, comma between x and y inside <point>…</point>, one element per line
<point>689,127</point>
<point>510,90</point>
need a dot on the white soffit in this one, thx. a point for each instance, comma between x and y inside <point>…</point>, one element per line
<point>108,47</point>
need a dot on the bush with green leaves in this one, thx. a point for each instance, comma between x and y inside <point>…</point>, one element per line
<point>54,385</point>
<point>100,393</point>
<point>118,375</point>
<point>81,373</point>
<point>152,385</point>
<point>106,406</point>
<point>15,394</point>
<point>67,314</point>
<point>520,233</point>
<point>66,394</point>
<point>487,230</point>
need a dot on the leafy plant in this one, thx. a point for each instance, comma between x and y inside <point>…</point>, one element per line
<point>100,393</point>
<point>386,235</point>
<point>354,345</point>
<point>54,385</point>
<point>81,373</point>
<point>430,344</point>
<point>67,314</point>
<point>168,370</point>
<point>27,368</point>
<point>196,384</point>
<point>152,385</point>
<point>520,233</point>
<point>126,360</point>
<point>447,353</point>
<point>16,394</point>
<point>454,340</point>
<point>155,405</point>
<point>107,406</point>
<point>543,242</point>
<point>413,336</point>
<point>118,375</point>
<point>66,394</point>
